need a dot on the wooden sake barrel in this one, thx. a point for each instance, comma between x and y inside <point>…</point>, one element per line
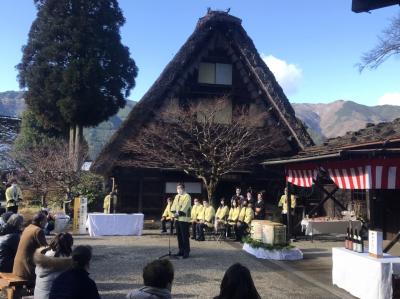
<point>274,233</point>
<point>256,229</point>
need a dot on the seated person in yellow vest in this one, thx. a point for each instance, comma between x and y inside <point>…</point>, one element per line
<point>167,216</point>
<point>284,204</point>
<point>221,215</point>
<point>13,197</point>
<point>233,215</point>
<point>196,210</point>
<point>181,208</point>
<point>245,217</point>
<point>205,219</point>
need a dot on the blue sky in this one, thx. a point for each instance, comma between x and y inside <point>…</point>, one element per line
<point>312,46</point>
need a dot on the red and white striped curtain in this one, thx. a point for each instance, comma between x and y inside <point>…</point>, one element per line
<point>302,176</point>
<point>354,174</point>
<point>372,174</point>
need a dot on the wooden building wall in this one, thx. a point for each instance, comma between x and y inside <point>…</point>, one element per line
<point>144,190</point>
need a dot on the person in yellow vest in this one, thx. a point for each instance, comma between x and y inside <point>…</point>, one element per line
<point>107,203</point>
<point>221,215</point>
<point>167,216</point>
<point>13,197</point>
<point>233,215</point>
<point>196,210</point>
<point>284,204</point>
<point>246,215</point>
<point>181,208</point>
<point>205,219</point>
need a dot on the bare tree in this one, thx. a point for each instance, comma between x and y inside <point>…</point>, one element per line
<point>200,140</point>
<point>49,167</point>
<point>388,45</point>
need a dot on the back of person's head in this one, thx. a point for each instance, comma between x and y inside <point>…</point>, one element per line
<point>39,219</point>
<point>62,244</point>
<point>15,222</point>
<point>81,256</point>
<point>237,284</point>
<point>158,274</point>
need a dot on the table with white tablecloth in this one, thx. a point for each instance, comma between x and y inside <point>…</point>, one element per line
<point>364,276</point>
<point>100,224</point>
<point>317,227</point>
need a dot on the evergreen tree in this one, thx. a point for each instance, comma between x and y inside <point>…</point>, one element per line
<point>76,71</point>
<point>32,134</point>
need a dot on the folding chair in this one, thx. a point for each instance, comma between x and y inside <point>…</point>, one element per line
<point>222,232</point>
<point>209,231</point>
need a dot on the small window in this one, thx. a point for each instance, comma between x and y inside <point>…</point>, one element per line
<point>215,73</point>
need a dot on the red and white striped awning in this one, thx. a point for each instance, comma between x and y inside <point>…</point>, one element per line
<point>301,176</point>
<point>355,174</point>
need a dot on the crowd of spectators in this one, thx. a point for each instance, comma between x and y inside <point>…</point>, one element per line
<point>59,271</point>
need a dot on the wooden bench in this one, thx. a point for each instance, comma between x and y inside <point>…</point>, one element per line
<point>14,286</point>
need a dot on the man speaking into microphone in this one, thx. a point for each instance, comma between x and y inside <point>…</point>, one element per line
<point>181,208</point>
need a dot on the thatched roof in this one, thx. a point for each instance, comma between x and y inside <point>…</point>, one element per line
<point>382,139</point>
<point>245,57</point>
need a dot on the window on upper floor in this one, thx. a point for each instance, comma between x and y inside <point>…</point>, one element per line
<point>215,73</point>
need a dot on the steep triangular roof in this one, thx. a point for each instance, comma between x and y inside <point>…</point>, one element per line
<point>242,51</point>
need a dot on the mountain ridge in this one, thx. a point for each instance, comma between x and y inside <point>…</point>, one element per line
<point>323,120</point>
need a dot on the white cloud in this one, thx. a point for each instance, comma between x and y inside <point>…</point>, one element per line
<point>390,98</point>
<point>288,75</point>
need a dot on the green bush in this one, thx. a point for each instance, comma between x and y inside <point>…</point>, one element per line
<point>91,186</point>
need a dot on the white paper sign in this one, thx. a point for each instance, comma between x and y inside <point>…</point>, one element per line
<point>375,243</point>
<point>82,215</point>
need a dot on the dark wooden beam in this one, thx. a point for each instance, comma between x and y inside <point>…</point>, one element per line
<point>367,5</point>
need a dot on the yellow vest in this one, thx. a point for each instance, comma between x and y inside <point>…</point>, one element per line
<point>106,204</point>
<point>207,214</point>
<point>167,212</point>
<point>13,195</point>
<point>221,213</point>
<point>196,209</point>
<point>283,203</point>
<point>249,215</point>
<point>246,215</point>
<point>233,214</point>
<point>182,203</point>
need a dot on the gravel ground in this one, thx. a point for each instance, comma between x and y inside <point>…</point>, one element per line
<point>118,262</point>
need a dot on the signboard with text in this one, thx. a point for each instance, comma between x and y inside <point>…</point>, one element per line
<point>80,215</point>
<point>375,243</point>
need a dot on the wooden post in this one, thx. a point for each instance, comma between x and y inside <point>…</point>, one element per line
<point>289,210</point>
<point>140,198</point>
<point>370,207</point>
<point>71,141</point>
<point>112,184</point>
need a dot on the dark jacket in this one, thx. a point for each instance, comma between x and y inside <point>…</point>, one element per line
<point>74,284</point>
<point>8,249</point>
<point>261,214</point>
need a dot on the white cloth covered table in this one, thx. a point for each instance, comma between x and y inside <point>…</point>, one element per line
<point>280,255</point>
<point>363,276</point>
<point>315,227</point>
<point>115,224</point>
